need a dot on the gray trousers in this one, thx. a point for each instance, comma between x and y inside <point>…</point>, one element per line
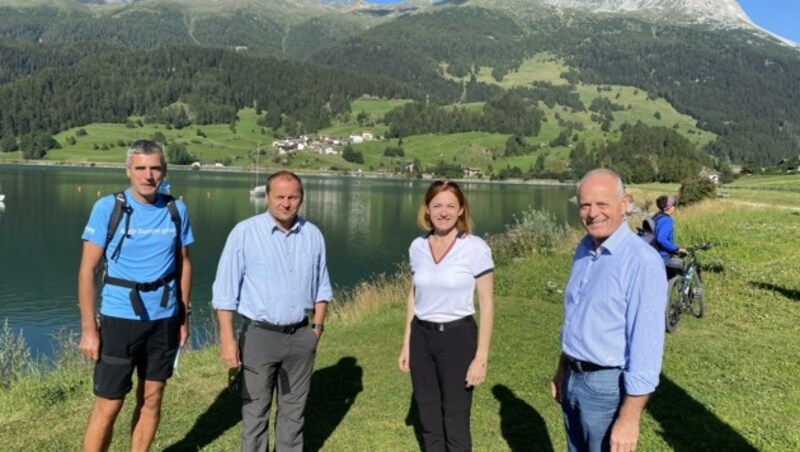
<point>270,361</point>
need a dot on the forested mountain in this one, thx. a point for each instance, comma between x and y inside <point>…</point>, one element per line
<point>213,83</point>
<point>284,28</point>
<point>736,81</point>
<point>738,85</point>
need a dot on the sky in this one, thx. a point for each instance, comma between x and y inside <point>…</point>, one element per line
<point>781,17</point>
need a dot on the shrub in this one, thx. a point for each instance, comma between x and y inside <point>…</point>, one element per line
<point>177,154</point>
<point>532,232</point>
<point>351,155</point>
<point>15,358</point>
<point>696,189</point>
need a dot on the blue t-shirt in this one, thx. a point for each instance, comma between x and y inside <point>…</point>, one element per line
<point>147,254</point>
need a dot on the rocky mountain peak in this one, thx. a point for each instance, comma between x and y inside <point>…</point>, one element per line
<point>720,12</point>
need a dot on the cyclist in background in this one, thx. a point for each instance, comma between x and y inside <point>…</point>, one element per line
<point>665,236</point>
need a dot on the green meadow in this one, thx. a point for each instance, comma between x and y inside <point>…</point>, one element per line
<point>729,379</point>
<point>235,146</point>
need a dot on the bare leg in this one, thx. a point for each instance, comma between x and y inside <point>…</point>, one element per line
<point>100,428</point>
<point>147,414</point>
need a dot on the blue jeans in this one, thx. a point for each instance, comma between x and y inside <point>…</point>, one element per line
<point>590,402</point>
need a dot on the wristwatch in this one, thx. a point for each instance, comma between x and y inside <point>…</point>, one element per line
<point>318,326</point>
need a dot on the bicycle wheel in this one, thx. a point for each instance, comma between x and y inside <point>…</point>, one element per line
<point>698,299</point>
<point>674,311</point>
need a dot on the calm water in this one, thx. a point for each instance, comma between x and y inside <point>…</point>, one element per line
<point>368,225</point>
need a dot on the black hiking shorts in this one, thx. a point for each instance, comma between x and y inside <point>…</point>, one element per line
<point>149,346</point>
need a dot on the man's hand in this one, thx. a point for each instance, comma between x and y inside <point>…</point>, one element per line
<point>624,435</point>
<point>90,344</point>
<point>625,431</point>
<point>555,386</point>
<point>184,334</point>
<point>558,379</point>
<point>229,353</point>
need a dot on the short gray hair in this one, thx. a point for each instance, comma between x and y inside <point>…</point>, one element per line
<point>146,147</point>
<point>607,172</point>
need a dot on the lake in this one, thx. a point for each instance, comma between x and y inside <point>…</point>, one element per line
<point>368,225</point>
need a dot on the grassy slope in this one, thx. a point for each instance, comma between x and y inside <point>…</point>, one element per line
<point>729,380</point>
<point>474,149</point>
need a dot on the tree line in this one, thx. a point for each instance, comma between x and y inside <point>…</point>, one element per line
<point>511,113</point>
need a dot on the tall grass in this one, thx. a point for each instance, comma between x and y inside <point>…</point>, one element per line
<point>533,231</point>
<point>15,357</point>
<point>371,295</point>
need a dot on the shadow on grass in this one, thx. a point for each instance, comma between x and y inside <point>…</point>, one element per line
<point>793,295</point>
<point>522,426</point>
<point>333,392</point>
<point>224,413</point>
<point>412,419</point>
<point>688,425</point>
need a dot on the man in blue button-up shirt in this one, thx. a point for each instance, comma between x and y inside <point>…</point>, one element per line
<point>613,332</point>
<point>273,272</point>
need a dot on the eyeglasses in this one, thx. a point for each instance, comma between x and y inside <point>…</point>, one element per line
<point>235,380</point>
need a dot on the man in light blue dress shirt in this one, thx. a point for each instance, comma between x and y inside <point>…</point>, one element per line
<point>273,273</point>
<point>613,333</point>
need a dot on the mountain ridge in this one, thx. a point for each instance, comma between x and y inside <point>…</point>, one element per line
<point>706,13</point>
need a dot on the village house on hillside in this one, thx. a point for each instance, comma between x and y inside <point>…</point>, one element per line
<point>323,144</point>
<point>473,172</point>
<point>711,175</point>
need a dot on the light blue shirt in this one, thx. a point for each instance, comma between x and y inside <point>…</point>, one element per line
<point>269,275</point>
<point>147,254</point>
<point>614,308</point>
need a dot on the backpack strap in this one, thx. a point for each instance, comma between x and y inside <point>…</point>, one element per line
<point>121,207</point>
<point>176,219</point>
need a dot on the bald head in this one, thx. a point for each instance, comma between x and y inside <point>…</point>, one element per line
<point>603,203</point>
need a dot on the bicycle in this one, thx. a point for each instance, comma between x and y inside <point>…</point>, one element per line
<point>685,291</point>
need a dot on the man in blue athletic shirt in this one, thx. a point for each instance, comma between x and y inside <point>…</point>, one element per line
<point>145,298</point>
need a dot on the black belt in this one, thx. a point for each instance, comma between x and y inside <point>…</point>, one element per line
<point>442,327</point>
<point>285,329</point>
<point>136,299</point>
<point>585,366</point>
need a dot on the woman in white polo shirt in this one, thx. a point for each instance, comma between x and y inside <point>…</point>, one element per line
<point>443,347</point>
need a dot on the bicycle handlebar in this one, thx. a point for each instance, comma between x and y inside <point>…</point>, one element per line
<point>702,247</point>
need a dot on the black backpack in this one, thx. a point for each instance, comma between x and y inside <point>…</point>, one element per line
<point>648,230</point>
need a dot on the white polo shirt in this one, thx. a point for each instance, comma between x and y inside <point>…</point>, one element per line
<point>445,291</point>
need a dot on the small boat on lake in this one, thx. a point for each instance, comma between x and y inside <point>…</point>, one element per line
<point>259,191</point>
